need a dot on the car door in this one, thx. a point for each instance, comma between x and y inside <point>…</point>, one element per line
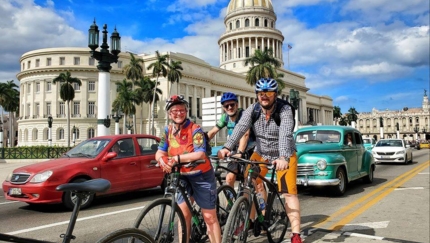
<point>151,176</point>
<point>123,171</point>
<point>360,149</point>
<point>350,153</point>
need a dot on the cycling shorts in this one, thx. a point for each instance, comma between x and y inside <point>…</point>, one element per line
<point>286,178</point>
<point>202,187</point>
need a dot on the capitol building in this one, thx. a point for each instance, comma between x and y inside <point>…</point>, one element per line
<point>249,25</point>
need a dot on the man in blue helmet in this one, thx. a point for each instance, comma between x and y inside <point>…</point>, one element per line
<point>229,119</point>
<point>274,144</point>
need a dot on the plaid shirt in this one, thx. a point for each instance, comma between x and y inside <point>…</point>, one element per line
<point>272,141</point>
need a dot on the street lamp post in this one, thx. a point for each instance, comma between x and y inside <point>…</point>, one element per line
<point>129,127</point>
<point>1,134</point>
<point>74,135</point>
<point>294,100</point>
<point>50,120</point>
<point>416,130</point>
<point>398,130</point>
<point>381,127</point>
<point>105,60</point>
<point>117,117</point>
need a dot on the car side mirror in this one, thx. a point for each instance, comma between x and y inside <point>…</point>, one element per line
<point>110,155</point>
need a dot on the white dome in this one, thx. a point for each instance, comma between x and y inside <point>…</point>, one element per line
<point>235,5</point>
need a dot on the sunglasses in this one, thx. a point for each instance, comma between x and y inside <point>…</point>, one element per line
<point>267,93</point>
<point>232,105</point>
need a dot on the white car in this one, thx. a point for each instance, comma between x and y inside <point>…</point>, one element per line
<point>392,150</point>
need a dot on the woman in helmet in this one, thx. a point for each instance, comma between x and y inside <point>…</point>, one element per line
<point>183,142</point>
<point>275,144</point>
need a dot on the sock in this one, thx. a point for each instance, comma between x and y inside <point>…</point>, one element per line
<point>296,234</point>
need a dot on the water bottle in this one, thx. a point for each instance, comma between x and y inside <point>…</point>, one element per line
<point>261,202</point>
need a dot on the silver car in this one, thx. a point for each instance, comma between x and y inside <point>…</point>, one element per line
<point>392,151</point>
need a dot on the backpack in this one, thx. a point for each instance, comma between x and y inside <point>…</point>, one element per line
<point>275,115</point>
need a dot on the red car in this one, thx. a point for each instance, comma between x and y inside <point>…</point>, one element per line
<point>124,160</point>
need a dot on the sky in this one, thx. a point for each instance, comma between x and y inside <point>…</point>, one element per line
<point>364,54</point>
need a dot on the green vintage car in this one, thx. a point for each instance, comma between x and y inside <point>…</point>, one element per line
<point>369,143</point>
<point>326,158</point>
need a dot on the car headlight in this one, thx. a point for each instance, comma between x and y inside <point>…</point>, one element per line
<point>8,177</point>
<point>322,164</point>
<point>401,152</point>
<point>41,177</point>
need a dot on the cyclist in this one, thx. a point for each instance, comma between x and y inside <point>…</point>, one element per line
<point>229,119</point>
<point>275,144</point>
<point>183,142</point>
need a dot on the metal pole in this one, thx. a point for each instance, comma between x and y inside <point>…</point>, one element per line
<point>103,102</point>
<point>50,137</point>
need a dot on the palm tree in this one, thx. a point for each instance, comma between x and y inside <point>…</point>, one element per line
<point>148,97</point>
<point>343,121</point>
<point>159,67</point>
<point>263,65</point>
<point>173,74</point>
<point>9,100</point>
<point>352,116</point>
<point>134,71</point>
<point>336,114</point>
<point>144,94</point>
<point>67,94</point>
<point>125,100</point>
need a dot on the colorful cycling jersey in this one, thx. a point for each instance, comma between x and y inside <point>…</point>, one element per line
<point>189,139</point>
<point>225,121</point>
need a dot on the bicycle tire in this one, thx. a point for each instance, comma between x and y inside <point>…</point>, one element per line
<point>150,220</point>
<point>226,196</point>
<point>236,228</point>
<point>276,218</point>
<point>127,235</point>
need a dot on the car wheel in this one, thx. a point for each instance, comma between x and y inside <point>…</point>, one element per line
<point>369,178</point>
<point>340,189</point>
<point>406,159</point>
<point>69,198</point>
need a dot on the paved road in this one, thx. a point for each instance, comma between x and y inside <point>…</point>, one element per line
<point>392,209</point>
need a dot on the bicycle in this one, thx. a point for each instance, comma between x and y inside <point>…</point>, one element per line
<point>163,218</point>
<point>274,221</point>
<point>82,191</point>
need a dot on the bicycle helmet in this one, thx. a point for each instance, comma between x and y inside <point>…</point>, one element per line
<point>228,96</point>
<point>266,84</point>
<point>175,100</point>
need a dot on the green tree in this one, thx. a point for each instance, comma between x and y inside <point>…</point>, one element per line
<point>336,114</point>
<point>134,72</point>
<point>125,100</point>
<point>67,94</point>
<point>343,121</point>
<point>159,67</point>
<point>174,74</point>
<point>9,100</point>
<point>262,65</point>
<point>352,115</point>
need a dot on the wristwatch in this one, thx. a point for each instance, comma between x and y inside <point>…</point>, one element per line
<point>226,148</point>
<point>283,158</point>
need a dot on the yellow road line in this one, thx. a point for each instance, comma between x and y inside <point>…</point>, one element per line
<point>369,195</point>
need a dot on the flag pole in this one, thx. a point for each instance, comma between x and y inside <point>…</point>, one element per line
<point>288,54</point>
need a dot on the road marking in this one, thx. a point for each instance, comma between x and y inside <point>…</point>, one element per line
<point>8,202</point>
<point>363,226</point>
<point>364,236</point>
<point>409,188</point>
<point>66,222</point>
<point>424,173</point>
<point>376,193</point>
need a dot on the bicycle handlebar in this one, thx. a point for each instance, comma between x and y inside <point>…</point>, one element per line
<point>247,161</point>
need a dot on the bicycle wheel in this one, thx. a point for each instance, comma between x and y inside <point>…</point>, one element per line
<point>225,200</point>
<point>127,235</point>
<point>276,219</point>
<point>155,220</point>
<point>236,228</point>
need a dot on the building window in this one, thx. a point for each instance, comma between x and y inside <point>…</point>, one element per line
<point>37,87</point>
<point>37,62</point>
<point>91,108</point>
<point>91,133</point>
<point>237,24</point>
<point>48,86</point>
<point>231,26</point>
<point>35,134</point>
<point>62,109</point>
<point>28,64</point>
<point>60,133</point>
<point>265,23</point>
<point>257,22</point>
<point>23,66</point>
<point>271,24</point>
<point>62,61</point>
<point>119,64</point>
<point>92,86</point>
<point>91,61</point>
<point>76,133</point>
<point>76,86</point>
<point>77,61</point>
<point>48,61</point>
<point>28,88</point>
<point>247,51</point>
<point>37,109</point>
<point>76,107</point>
<point>48,108</point>
<point>198,108</point>
<point>190,103</point>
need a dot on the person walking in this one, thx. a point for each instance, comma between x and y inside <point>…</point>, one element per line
<point>274,144</point>
<point>184,142</point>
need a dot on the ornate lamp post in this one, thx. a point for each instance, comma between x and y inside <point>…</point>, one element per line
<point>398,130</point>
<point>105,60</point>
<point>74,135</point>
<point>117,117</point>
<point>381,127</point>
<point>129,127</point>
<point>294,100</point>
<point>50,120</point>
<point>416,130</point>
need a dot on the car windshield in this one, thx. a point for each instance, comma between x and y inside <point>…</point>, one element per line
<point>367,140</point>
<point>389,143</point>
<point>318,136</point>
<point>89,148</point>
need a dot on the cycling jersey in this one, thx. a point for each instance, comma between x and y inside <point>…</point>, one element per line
<point>225,121</point>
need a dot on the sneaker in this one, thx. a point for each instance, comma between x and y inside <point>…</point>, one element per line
<point>296,238</point>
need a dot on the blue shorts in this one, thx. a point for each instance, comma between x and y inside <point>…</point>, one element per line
<point>202,187</point>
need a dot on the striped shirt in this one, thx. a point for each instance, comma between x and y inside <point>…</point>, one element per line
<point>272,141</point>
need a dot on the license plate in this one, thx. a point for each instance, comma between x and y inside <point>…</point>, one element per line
<point>15,191</point>
<point>385,157</point>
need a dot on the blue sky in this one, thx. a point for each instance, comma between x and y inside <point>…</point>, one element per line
<point>363,53</point>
